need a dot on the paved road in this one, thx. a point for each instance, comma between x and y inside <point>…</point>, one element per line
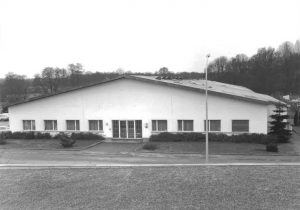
<point>38,157</point>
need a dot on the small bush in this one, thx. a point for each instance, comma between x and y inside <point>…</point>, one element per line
<point>215,137</point>
<point>39,135</point>
<point>150,146</point>
<point>28,135</point>
<point>272,147</point>
<point>42,135</point>
<point>65,140</point>
<point>174,137</point>
<point>23,135</point>
<point>249,138</point>
<point>7,134</point>
<point>2,138</point>
<point>17,135</point>
<point>86,136</point>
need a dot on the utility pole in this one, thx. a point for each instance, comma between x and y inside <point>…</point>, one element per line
<point>206,111</point>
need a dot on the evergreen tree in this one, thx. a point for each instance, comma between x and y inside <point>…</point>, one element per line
<point>296,118</point>
<point>279,124</point>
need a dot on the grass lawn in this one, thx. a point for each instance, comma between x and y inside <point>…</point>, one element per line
<point>43,144</point>
<point>220,148</point>
<point>214,147</point>
<point>206,187</point>
<point>114,147</point>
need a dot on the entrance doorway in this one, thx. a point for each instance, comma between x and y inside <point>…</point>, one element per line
<point>127,129</point>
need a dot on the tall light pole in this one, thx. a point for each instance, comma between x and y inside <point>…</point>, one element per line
<point>206,111</point>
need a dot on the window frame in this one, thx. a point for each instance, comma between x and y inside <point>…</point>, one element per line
<point>180,126</point>
<point>209,127</point>
<point>54,125</point>
<point>248,130</point>
<point>77,125</point>
<point>98,125</point>
<point>32,125</point>
<point>156,126</point>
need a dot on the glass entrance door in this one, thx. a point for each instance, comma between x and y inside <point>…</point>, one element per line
<point>138,129</point>
<point>124,129</point>
<point>131,131</point>
<point>115,128</point>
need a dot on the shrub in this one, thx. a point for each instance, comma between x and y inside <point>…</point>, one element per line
<point>7,134</point>
<point>279,124</point>
<point>272,147</point>
<point>2,138</point>
<point>28,135</point>
<point>42,135</point>
<point>249,138</point>
<point>65,140</point>
<point>22,135</point>
<point>150,146</point>
<point>39,135</point>
<point>174,137</point>
<point>215,137</point>
<point>17,135</point>
<point>87,136</point>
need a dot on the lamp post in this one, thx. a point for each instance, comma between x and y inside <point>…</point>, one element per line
<point>206,111</point>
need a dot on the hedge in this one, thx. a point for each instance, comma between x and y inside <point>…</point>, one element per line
<point>86,135</point>
<point>42,135</point>
<point>200,137</point>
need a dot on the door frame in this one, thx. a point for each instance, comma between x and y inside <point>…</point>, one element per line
<point>134,129</point>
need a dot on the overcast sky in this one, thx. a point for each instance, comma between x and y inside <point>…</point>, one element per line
<point>138,35</point>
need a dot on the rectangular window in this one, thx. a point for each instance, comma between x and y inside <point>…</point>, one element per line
<point>185,125</point>
<point>28,125</point>
<point>50,125</point>
<point>213,125</point>
<point>116,128</point>
<point>95,125</point>
<point>159,125</point>
<point>138,129</point>
<point>73,125</point>
<point>240,125</point>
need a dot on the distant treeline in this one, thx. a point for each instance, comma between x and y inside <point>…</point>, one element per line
<point>15,88</point>
<point>269,71</point>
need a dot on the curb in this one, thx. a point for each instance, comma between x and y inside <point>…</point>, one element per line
<point>42,166</point>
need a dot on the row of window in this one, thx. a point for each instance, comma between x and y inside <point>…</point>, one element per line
<point>157,125</point>
<point>213,125</point>
<point>72,125</point>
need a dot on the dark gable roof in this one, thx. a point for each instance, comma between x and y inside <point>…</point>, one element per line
<point>215,88</point>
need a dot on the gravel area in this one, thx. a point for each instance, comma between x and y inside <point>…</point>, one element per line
<point>207,187</point>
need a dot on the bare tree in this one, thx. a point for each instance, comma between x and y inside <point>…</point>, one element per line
<point>286,49</point>
<point>14,87</point>
<point>76,71</point>
<point>163,71</point>
<point>297,47</point>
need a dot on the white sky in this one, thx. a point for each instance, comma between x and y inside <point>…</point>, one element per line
<point>138,35</point>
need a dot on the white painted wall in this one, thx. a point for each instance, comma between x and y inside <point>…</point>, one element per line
<point>130,99</point>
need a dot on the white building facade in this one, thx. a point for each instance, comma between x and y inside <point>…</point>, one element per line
<point>138,106</point>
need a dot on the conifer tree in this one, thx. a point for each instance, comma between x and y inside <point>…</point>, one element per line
<point>279,124</point>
